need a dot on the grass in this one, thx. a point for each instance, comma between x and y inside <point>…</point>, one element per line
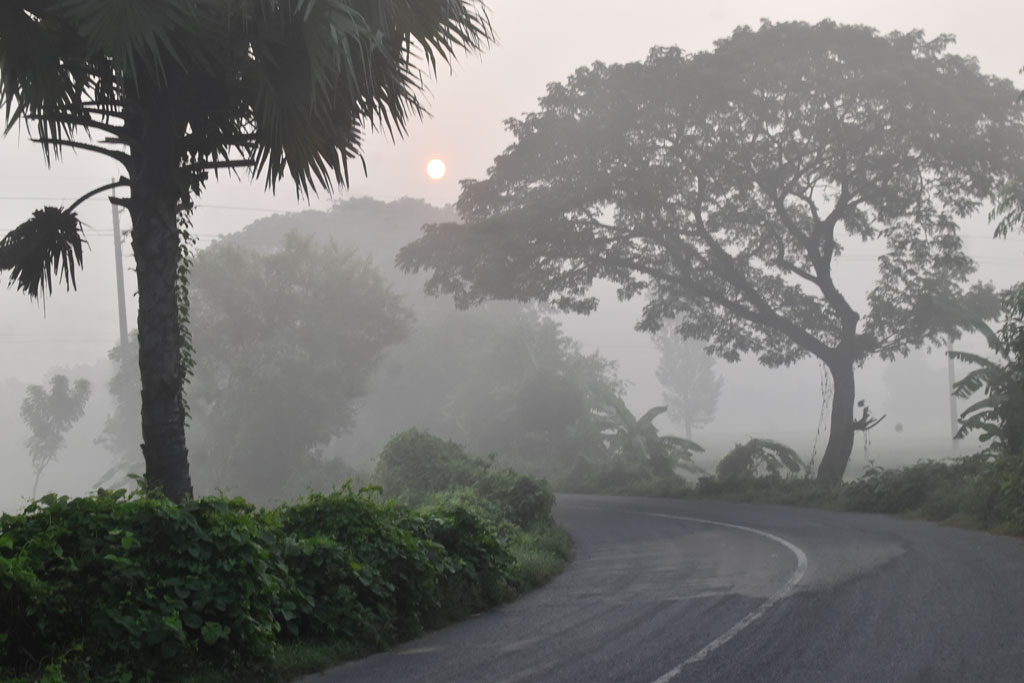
<point>541,553</point>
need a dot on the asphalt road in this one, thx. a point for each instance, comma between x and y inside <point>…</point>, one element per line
<point>668,590</point>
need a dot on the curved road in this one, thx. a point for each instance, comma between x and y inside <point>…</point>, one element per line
<point>675,590</point>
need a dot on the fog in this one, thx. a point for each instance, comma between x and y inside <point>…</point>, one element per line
<point>538,42</point>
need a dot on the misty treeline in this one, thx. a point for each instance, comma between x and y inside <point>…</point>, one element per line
<point>312,351</point>
<point>721,186</point>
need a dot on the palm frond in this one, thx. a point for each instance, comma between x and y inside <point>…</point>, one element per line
<point>973,358</point>
<point>975,380</point>
<point>319,74</point>
<point>648,417</point>
<point>682,444</point>
<point>48,244</point>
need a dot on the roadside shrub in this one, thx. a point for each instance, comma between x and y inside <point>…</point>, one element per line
<point>396,568</point>
<point>759,458</point>
<point>540,554</point>
<point>138,586</point>
<point>117,587</point>
<point>520,498</point>
<point>790,491</point>
<point>995,485</point>
<point>414,465</point>
<point>980,487</point>
<point>480,560</point>
<point>330,584</point>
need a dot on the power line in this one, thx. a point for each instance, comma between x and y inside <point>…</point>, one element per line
<point>199,205</point>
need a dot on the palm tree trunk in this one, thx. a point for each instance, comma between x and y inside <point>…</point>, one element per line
<point>156,192</point>
<point>841,426</point>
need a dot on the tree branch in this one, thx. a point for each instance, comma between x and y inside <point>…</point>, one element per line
<point>733,276</point>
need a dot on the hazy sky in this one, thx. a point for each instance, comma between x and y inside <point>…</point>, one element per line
<point>538,41</point>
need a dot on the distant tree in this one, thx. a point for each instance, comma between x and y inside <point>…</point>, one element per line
<point>372,227</point>
<point>49,415</point>
<point>285,344</point>
<point>172,91</point>
<point>725,185</point>
<point>687,375</point>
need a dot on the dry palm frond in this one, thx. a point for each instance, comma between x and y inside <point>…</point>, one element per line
<point>48,244</point>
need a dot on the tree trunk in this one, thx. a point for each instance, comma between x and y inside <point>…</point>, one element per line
<point>687,418</point>
<point>35,486</point>
<point>156,191</point>
<point>841,431</point>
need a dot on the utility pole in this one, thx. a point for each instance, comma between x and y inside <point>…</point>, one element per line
<point>119,269</point>
<point>954,413</point>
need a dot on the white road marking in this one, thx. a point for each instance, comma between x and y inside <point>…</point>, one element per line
<point>794,579</point>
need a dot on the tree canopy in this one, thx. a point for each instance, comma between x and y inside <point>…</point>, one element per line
<point>173,91</point>
<point>286,343</point>
<point>723,185</point>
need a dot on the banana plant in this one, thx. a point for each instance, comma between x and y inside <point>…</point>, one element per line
<point>637,438</point>
<point>999,415</point>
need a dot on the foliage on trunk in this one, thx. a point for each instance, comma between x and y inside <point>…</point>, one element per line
<point>725,187</point>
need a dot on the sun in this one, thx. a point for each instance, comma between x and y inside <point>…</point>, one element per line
<point>436,169</point>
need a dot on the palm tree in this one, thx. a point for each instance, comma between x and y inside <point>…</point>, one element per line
<point>173,91</point>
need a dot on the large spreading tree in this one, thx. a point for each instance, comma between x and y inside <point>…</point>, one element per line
<point>175,90</point>
<point>723,186</point>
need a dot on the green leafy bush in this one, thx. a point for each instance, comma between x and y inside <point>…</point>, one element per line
<point>479,572</point>
<point>395,566</point>
<point>137,586</point>
<point>116,587</point>
<point>759,458</point>
<point>415,465</point>
<point>521,499</point>
<point>417,567</point>
<point>336,595</point>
